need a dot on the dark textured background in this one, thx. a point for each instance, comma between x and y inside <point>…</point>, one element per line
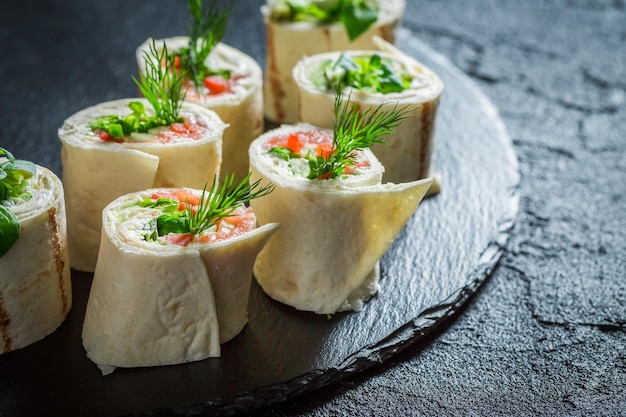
<point>547,333</point>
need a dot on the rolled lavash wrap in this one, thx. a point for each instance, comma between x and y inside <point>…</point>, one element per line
<point>333,232</point>
<point>171,299</point>
<point>241,106</point>
<point>287,42</point>
<point>97,171</point>
<point>407,153</point>
<point>35,284</point>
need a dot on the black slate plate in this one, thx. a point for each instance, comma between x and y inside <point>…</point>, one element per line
<point>440,259</point>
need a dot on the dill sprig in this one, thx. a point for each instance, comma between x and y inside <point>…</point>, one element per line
<point>222,200</point>
<point>213,205</point>
<point>208,26</point>
<point>161,85</point>
<point>353,131</point>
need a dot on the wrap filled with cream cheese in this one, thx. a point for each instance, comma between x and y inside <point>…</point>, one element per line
<point>288,41</point>
<point>97,168</point>
<point>395,80</point>
<point>237,99</point>
<point>35,284</point>
<point>333,231</point>
<point>168,298</point>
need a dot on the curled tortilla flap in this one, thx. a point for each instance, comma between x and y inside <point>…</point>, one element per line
<point>288,42</point>
<point>407,153</point>
<point>229,264</point>
<point>35,284</point>
<point>159,304</point>
<point>332,234</point>
<point>96,172</point>
<point>242,109</point>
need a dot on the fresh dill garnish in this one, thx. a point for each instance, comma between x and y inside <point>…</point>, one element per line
<point>161,86</point>
<point>223,200</point>
<point>353,131</point>
<point>208,26</point>
<point>212,206</point>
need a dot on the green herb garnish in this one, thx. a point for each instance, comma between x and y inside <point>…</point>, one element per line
<point>374,74</point>
<point>14,174</point>
<point>161,86</point>
<point>283,153</point>
<point>219,202</point>
<point>223,201</point>
<point>353,131</point>
<point>164,204</point>
<point>10,229</point>
<point>356,15</point>
<point>208,26</point>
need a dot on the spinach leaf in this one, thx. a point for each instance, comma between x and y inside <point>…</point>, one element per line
<point>13,176</point>
<point>172,223</point>
<point>9,229</point>
<point>357,17</point>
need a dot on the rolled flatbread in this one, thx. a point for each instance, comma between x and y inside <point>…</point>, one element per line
<point>159,302</point>
<point>95,172</point>
<point>288,42</point>
<point>333,232</point>
<point>241,108</point>
<point>35,283</point>
<point>407,153</point>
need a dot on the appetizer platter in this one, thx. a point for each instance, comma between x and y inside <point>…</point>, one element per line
<point>438,261</point>
<point>193,292</point>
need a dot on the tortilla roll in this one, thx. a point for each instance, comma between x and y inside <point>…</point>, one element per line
<point>160,303</point>
<point>333,232</point>
<point>288,42</point>
<point>95,172</point>
<point>35,283</point>
<point>407,152</point>
<point>241,108</point>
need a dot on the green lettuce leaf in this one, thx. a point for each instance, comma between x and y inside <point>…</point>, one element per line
<point>355,15</point>
<point>9,229</point>
<point>357,18</point>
